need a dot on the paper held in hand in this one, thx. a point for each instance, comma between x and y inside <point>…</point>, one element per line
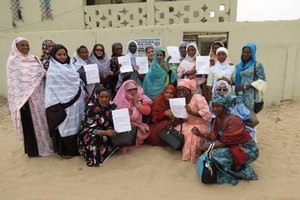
<point>126,64</point>
<point>178,107</point>
<point>121,120</point>
<point>142,62</point>
<point>174,53</point>
<point>202,64</point>
<point>91,73</point>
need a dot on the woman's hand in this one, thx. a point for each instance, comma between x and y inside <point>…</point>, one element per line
<point>136,68</point>
<point>110,73</point>
<point>110,133</point>
<point>170,115</point>
<point>212,62</point>
<point>196,131</point>
<point>191,112</point>
<point>143,130</point>
<point>169,58</point>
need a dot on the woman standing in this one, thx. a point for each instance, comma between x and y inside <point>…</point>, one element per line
<point>26,98</point>
<point>99,57</point>
<point>220,71</point>
<point>64,102</point>
<point>161,115</point>
<point>46,48</point>
<point>247,72</point>
<point>234,149</point>
<point>159,75</point>
<point>199,116</point>
<point>117,51</point>
<point>131,96</point>
<point>187,67</point>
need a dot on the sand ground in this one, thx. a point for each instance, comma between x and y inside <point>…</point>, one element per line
<point>153,172</point>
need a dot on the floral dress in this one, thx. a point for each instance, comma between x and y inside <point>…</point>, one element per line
<point>96,148</point>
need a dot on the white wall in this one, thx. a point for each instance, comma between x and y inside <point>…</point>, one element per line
<point>277,46</point>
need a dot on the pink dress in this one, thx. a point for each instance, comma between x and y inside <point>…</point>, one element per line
<point>124,100</point>
<point>192,142</point>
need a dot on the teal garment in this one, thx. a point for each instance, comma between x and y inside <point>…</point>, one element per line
<point>247,77</point>
<point>157,78</point>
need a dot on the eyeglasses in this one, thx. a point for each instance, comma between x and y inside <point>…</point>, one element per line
<point>98,49</point>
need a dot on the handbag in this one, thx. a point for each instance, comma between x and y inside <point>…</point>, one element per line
<point>258,106</point>
<point>253,121</point>
<point>206,169</point>
<point>172,137</point>
<point>127,138</point>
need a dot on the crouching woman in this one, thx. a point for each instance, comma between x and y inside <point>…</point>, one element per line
<point>234,148</point>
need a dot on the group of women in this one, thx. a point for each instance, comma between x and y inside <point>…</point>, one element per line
<point>55,110</point>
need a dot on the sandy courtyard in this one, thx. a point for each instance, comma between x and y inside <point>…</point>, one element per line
<point>153,172</point>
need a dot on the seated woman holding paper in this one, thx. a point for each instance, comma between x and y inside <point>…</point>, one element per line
<point>161,115</point>
<point>159,75</point>
<point>94,139</point>
<point>234,148</point>
<point>131,96</point>
<point>199,116</point>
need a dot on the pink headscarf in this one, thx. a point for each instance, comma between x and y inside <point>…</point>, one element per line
<point>124,100</point>
<point>188,83</point>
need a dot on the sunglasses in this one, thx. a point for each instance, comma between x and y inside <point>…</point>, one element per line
<point>98,49</point>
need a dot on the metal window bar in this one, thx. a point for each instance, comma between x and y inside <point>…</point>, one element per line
<point>46,10</point>
<point>16,11</point>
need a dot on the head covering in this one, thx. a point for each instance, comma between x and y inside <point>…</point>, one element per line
<point>217,85</point>
<point>102,62</point>
<point>190,84</point>
<point>188,62</point>
<point>113,47</point>
<point>192,59</point>
<point>160,103</point>
<point>211,53</point>
<point>157,78</point>
<point>183,44</point>
<point>135,54</point>
<point>44,47</point>
<point>219,99</point>
<point>124,100</point>
<point>24,75</point>
<point>55,49</point>
<point>240,67</point>
<point>222,49</point>
<point>77,60</point>
<point>62,82</point>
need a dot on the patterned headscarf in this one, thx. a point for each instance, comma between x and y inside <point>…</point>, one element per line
<point>220,99</point>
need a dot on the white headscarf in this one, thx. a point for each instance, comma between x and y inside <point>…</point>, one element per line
<point>128,53</point>
<point>77,61</point>
<point>224,68</point>
<point>188,62</point>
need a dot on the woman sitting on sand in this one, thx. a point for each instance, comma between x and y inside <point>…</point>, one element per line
<point>234,148</point>
<point>94,139</point>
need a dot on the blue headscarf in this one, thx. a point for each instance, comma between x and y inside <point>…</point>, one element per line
<point>240,67</point>
<point>220,99</point>
<point>157,78</point>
